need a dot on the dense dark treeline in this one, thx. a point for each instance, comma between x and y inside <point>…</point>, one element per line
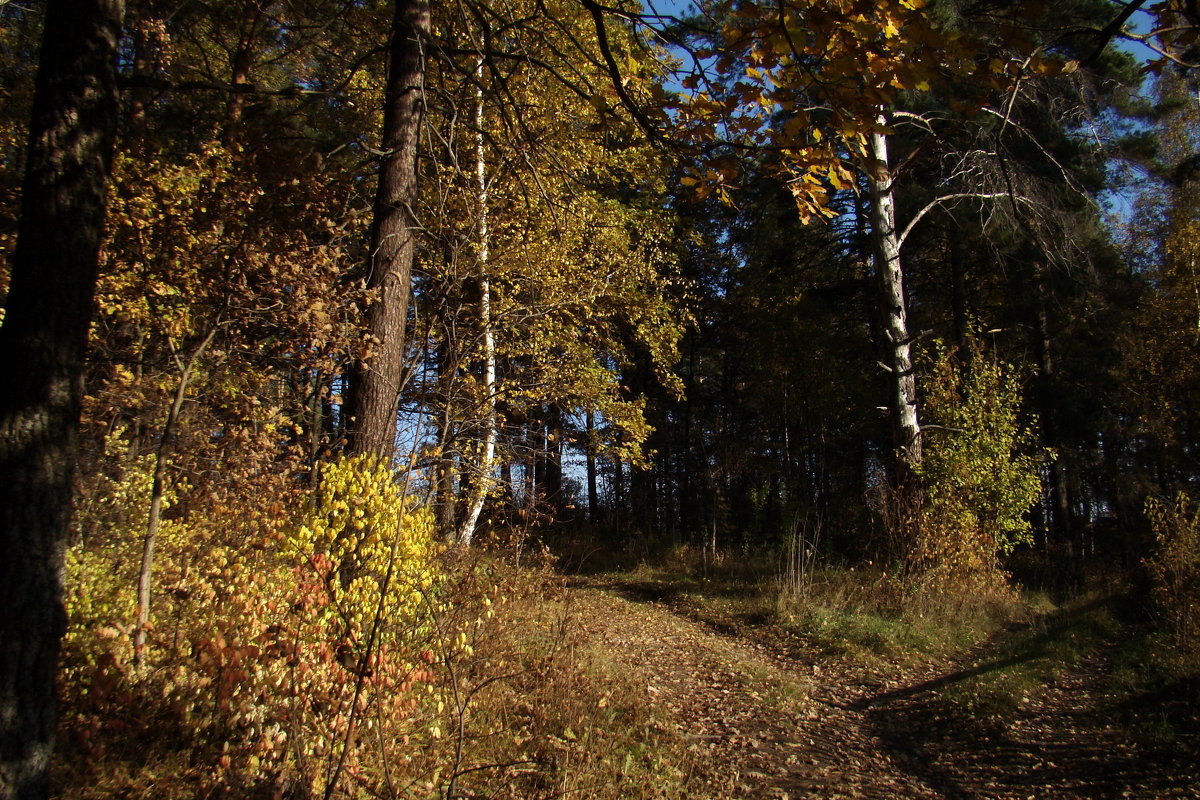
<point>784,416</point>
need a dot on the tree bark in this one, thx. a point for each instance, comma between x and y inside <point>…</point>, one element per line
<point>552,472</point>
<point>593,498</point>
<point>885,246</point>
<point>239,67</point>
<point>446,466</point>
<point>375,381</point>
<point>157,492</point>
<point>1060,505</point>
<point>42,345</point>
<point>482,482</point>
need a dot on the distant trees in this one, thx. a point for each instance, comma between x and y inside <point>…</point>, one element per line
<point>988,181</point>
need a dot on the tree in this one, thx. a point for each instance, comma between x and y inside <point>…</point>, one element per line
<point>573,266</point>
<point>482,479</point>
<point>375,382</point>
<point>42,342</point>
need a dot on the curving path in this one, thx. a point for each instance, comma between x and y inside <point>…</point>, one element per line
<point>770,719</point>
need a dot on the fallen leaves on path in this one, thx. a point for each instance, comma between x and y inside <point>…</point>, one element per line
<point>770,719</point>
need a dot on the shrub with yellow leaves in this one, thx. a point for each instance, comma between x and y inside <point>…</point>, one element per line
<point>374,548</point>
<point>980,473</point>
<point>293,623</point>
<point>1175,568</point>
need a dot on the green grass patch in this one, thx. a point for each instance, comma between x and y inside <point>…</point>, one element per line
<point>1155,692</point>
<point>864,635</point>
<point>861,615</point>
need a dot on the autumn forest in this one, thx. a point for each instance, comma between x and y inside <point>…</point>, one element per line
<point>566,398</point>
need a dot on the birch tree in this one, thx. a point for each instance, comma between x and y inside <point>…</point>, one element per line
<point>481,479</point>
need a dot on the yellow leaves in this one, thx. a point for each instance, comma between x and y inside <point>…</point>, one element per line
<point>362,523</point>
<point>1175,566</point>
<point>839,60</point>
<point>981,470</point>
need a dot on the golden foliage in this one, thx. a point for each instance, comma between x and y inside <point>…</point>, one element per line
<point>1175,567</point>
<point>260,661</point>
<point>813,80</point>
<point>980,471</point>
<point>373,545</point>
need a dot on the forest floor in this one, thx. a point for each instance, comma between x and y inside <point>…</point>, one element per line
<point>766,714</point>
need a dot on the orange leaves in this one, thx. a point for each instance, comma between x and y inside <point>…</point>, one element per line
<point>719,178</point>
<point>1048,66</point>
<point>809,79</point>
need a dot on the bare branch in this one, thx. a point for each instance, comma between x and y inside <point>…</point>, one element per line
<point>932,204</point>
<point>614,72</point>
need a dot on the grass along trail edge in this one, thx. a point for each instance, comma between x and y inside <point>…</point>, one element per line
<point>766,715</point>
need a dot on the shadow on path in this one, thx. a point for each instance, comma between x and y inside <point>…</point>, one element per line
<point>1064,741</point>
<point>919,740</point>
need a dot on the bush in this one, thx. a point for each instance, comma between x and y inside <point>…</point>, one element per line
<point>267,670</point>
<point>312,642</point>
<point>1175,568</point>
<point>980,472</point>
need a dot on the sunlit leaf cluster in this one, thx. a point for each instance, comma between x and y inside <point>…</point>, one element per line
<point>982,466</point>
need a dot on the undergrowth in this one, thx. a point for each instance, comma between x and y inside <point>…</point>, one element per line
<point>1155,692</point>
<point>1017,666</point>
<point>869,613</point>
<point>284,663</point>
<point>865,614</point>
<point>1017,642</point>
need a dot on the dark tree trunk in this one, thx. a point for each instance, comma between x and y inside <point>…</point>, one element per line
<point>1060,505</point>
<point>552,473</point>
<point>689,470</point>
<point>643,497</point>
<point>532,443</point>
<point>446,469</point>
<point>239,67</point>
<point>42,345</point>
<point>375,382</point>
<point>958,299</point>
<point>593,499</point>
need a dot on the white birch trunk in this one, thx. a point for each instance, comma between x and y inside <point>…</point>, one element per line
<point>885,245</point>
<point>482,481</point>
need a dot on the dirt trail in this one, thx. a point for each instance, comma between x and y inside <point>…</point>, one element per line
<point>771,719</point>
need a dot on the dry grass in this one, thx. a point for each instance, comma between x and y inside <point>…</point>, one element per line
<point>543,712</point>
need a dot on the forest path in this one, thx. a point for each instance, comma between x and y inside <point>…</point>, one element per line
<point>769,717</point>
